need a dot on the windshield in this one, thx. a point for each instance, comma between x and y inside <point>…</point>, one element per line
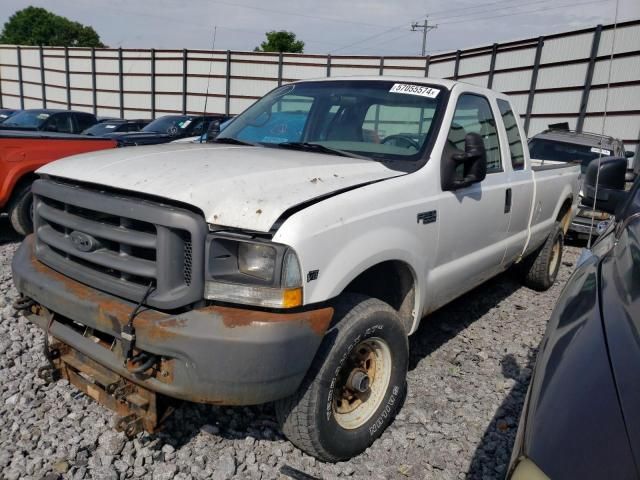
<point>33,119</point>
<point>4,114</point>
<point>383,120</point>
<point>543,149</point>
<point>103,128</point>
<point>171,124</point>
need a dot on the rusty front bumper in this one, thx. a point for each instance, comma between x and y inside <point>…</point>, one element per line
<point>213,354</point>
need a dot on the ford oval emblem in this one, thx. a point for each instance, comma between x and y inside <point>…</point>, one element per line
<point>83,242</point>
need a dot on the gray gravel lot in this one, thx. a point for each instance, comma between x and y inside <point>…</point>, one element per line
<point>470,367</point>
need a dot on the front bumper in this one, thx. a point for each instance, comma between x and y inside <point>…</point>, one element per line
<point>214,354</point>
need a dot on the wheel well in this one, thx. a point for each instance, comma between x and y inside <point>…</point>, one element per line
<point>392,282</point>
<point>564,215</point>
<point>26,179</point>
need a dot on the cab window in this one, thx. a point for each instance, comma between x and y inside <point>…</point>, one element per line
<point>60,122</point>
<point>403,126</point>
<point>473,114</point>
<point>513,134</point>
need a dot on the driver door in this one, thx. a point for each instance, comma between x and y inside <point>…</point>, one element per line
<point>474,220</point>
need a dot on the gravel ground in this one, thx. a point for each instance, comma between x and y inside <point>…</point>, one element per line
<point>470,367</point>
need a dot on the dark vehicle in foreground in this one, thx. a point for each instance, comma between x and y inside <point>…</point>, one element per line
<point>118,125</point>
<point>563,145</point>
<point>6,113</point>
<point>581,418</point>
<point>168,128</point>
<point>49,120</point>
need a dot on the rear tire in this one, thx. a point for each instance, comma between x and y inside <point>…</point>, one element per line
<point>20,211</point>
<point>333,417</point>
<point>540,269</point>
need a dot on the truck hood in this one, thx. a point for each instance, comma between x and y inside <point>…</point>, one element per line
<point>234,186</point>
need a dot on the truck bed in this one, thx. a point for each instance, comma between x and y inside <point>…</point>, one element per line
<point>541,165</point>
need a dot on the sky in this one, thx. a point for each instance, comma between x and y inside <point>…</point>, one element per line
<point>359,27</point>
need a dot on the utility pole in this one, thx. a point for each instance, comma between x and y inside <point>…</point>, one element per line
<point>425,27</point>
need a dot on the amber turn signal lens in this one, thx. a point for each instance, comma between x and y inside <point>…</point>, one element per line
<point>292,297</point>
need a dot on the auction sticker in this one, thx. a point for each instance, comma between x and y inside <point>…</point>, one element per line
<point>420,90</point>
<point>600,150</point>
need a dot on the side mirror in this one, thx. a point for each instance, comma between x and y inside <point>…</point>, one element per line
<point>629,154</point>
<point>51,127</point>
<point>604,187</point>
<point>213,131</point>
<point>473,161</point>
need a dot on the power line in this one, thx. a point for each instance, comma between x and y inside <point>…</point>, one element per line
<point>469,7</point>
<point>473,14</point>
<point>426,28</point>
<point>470,19</point>
<point>503,3</point>
<point>526,12</point>
<point>369,38</point>
<point>510,5</point>
<point>384,32</point>
<point>294,14</point>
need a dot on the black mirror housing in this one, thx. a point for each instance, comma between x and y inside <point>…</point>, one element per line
<point>629,154</point>
<point>609,175</point>
<point>213,131</point>
<point>473,160</point>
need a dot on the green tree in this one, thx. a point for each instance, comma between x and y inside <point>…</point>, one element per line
<point>281,41</point>
<point>37,26</point>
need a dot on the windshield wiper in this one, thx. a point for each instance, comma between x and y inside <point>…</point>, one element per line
<point>233,141</point>
<point>317,147</point>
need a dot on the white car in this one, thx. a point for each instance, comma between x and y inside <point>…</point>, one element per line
<point>289,260</point>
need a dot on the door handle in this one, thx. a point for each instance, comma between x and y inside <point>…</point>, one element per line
<point>507,201</point>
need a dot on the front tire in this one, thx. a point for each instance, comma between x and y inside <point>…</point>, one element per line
<point>540,269</point>
<point>355,385</point>
<point>20,211</point>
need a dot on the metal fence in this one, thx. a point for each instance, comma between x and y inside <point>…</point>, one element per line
<point>555,78</point>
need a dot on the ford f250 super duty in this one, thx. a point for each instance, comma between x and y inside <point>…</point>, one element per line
<point>289,260</point>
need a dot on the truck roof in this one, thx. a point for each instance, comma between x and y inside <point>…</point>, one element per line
<point>386,78</point>
<point>53,110</point>
<point>448,84</point>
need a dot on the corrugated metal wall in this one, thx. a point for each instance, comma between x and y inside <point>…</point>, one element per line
<point>551,79</point>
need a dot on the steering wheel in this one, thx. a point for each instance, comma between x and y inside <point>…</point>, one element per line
<point>399,139</point>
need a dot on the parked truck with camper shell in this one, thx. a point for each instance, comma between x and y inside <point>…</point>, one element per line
<point>559,144</point>
<point>289,260</point>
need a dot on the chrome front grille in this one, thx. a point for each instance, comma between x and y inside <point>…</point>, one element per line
<point>120,244</point>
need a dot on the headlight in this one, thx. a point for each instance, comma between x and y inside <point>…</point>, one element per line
<point>257,260</point>
<point>527,470</point>
<point>252,272</point>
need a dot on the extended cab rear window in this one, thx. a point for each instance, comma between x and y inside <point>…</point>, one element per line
<point>513,134</point>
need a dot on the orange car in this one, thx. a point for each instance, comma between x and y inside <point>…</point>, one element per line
<point>21,154</point>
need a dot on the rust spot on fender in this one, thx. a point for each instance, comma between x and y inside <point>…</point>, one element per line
<point>317,320</point>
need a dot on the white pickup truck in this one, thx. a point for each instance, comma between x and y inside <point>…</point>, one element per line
<point>289,260</point>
